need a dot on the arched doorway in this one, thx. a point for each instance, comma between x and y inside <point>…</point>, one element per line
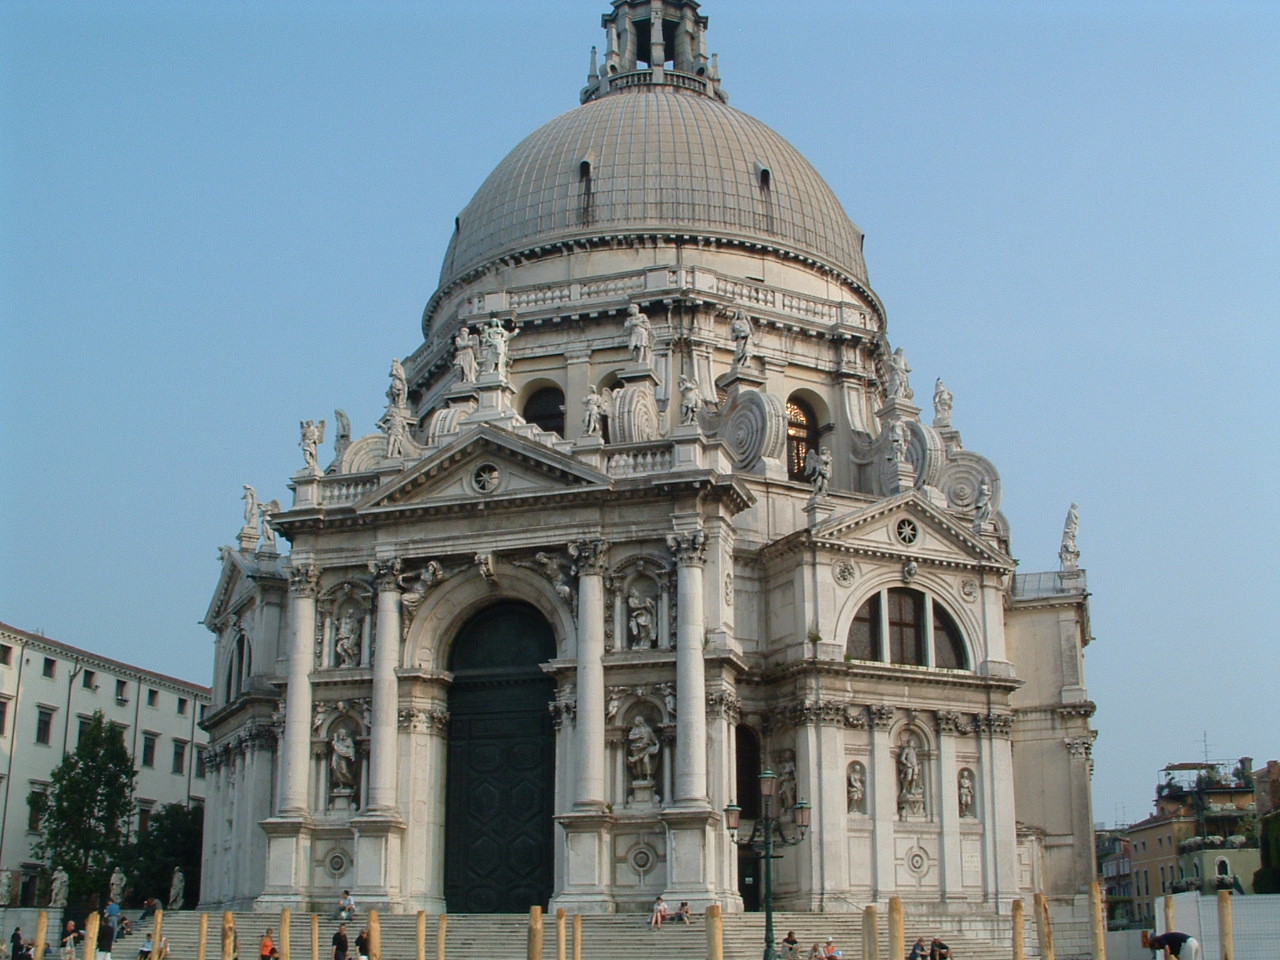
<point>499,800</point>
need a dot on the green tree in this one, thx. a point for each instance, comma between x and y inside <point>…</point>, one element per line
<point>85,815</point>
<point>172,839</point>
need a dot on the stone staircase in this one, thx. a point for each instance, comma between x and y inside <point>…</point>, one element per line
<point>504,936</point>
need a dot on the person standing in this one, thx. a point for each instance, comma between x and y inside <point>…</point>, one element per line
<point>106,939</point>
<point>362,944</point>
<point>71,937</point>
<point>265,945</point>
<point>1177,944</point>
<point>340,943</point>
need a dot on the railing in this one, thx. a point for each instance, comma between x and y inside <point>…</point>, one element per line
<point>338,490</point>
<point>639,461</point>
<point>1064,583</point>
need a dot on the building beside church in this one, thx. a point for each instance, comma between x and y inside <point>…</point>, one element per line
<point>653,507</point>
<point>49,692</point>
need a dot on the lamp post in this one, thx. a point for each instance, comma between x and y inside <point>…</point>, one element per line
<point>766,833</point>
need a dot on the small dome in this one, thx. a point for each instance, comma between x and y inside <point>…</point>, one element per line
<point>654,160</point>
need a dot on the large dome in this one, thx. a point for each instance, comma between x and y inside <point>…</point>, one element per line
<point>655,160</point>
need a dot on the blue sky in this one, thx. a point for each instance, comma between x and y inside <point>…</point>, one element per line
<point>219,219</point>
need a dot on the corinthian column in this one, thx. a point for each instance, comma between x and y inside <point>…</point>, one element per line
<point>691,710</point>
<point>589,788</point>
<point>386,695</point>
<point>294,801</point>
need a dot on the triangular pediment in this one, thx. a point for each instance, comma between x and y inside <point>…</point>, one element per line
<point>236,582</point>
<point>484,463</point>
<point>930,533</point>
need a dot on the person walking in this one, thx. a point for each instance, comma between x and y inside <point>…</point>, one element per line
<point>71,937</point>
<point>340,943</point>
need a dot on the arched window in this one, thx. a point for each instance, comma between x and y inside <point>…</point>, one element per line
<point>802,436</point>
<point>919,631</point>
<point>545,409</point>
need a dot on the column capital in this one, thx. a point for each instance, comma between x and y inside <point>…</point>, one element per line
<point>689,547</point>
<point>591,556</point>
<point>386,573</point>
<point>304,580</point>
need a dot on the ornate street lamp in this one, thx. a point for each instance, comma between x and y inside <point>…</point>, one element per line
<point>766,833</point>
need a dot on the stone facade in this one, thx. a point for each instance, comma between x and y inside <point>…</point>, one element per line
<point>656,422</point>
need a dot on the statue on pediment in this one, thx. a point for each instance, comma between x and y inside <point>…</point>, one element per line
<point>464,355</point>
<point>312,437</point>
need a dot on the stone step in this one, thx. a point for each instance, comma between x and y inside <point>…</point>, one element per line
<point>503,936</point>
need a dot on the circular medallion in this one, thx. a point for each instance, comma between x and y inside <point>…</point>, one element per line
<point>487,478</point>
<point>336,863</point>
<point>907,531</point>
<point>969,589</point>
<point>642,858</point>
<point>844,573</point>
<point>917,862</point>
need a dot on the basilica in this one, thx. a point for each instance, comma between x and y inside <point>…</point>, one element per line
<point>654,508</point>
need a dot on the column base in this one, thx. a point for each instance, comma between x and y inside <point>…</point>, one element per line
<point>690,872</point>
<point>378,860</point>
<point>587,845</point>
<point>288,857</point>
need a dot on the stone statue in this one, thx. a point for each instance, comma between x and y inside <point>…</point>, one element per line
<point>966,793</point>
<point>11,887</point>
<point>597,408</point>
<point>312,437</point>
<point>494,340</point>
<point>347,645</point>
<point>641,620</point>
<point>857,788</point>
<point>1069,553</point>
<point>982,506</point>
<point>642,751</point>
<point>58,888</point>
<point>464,355</point>
<point>614,705</point>
<point>899,385</point>
<point>343,438</point>
<point>398,391</point>
<point>250,499</point>
<point>559,571</point>
<point>177,889</point>
<point>690,400</point>
<point>268,532</point>
<point>484,564</point>
<point>743,332</point>
<point>116,885</point>
<point>898,441</point>
<point>640,341</point>
<point>787,786</point>
<point>817,467</point>
<point>397,427</point>
<point>415,586</point>
<point>910,786</point>
<point>342,761</point>
<point>941,405</point>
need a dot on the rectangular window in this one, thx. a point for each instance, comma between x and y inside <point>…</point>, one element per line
<point>6,654</point>
<point>4,717</point>
<point>50,667</point>
<point>33,815</point>
<point>122,691</point>
<point>182,706</point>
<point>44,725</point>
<point>89,680</point>
<point>84,728</point>
<point>179,756</point>
<point>144,815</point>
<point>149,749</point>
<point>200,763</point>
<point>204,709</point>
<point>152,697</point>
